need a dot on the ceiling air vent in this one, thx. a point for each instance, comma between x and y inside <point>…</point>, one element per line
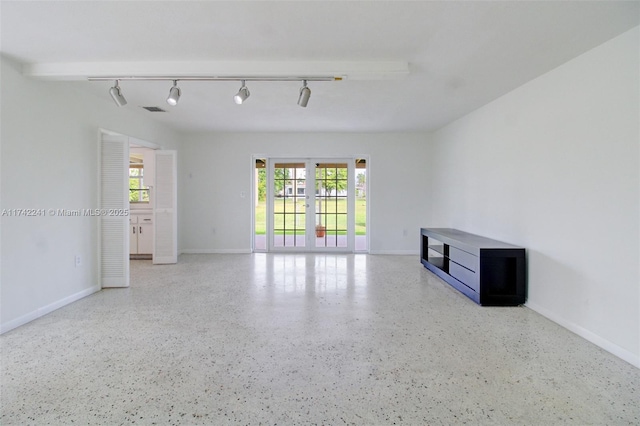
<point>154,109</point>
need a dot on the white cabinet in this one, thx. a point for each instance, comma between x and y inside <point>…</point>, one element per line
<point>141,238</point>
<point>133,234</point>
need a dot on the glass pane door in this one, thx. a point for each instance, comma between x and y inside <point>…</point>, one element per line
<point>289,204</point>
<point>332,204</point>
<point>311,206</point>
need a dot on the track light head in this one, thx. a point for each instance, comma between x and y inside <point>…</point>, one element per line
<point>116,94</point>
<point>305,94</point>
<point>174,94</point>
<point>242,94</point>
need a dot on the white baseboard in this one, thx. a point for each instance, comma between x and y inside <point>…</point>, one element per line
<point>40,312</point>
<point>248,251</point>
<point>631,358</point>
<point>215,251</point>
<point>396,252</point>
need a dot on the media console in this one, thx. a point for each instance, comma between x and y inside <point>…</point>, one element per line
<point>489,272</point>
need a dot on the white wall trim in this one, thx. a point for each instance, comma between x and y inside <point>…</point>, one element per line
<point>143,143</point>
<point>40,312</point>
<point>216,251</point>
<point>605,344</point>
<point>398,252</point>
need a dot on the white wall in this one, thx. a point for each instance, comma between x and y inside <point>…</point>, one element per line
<point>554,166</point>
<point>216,168</point>
<point>48,160</point>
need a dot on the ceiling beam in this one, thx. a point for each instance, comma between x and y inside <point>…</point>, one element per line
<point>359,70</point>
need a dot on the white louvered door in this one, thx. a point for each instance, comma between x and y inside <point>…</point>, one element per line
<point>165,222</point>
<point>114,198</point>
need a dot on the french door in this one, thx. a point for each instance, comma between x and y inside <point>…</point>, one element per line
<point>310,205</point>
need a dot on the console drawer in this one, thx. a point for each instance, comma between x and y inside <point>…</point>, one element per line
<point>463,258</point>
<point>467,277</point>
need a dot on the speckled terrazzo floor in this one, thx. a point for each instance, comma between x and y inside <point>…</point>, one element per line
<point>304,339</point>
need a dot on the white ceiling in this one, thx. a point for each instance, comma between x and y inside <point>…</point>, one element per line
<point>461,55</point>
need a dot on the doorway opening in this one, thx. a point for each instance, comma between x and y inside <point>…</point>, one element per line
<point>119,186</point>
<point>141,181</point>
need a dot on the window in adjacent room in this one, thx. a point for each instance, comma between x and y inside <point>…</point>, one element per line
<point>138,191</point>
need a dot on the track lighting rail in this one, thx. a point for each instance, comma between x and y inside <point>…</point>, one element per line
<point>214,78</point>
<point>239,98</point>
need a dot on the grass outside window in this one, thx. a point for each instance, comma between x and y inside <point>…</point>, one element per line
<point>337,217</point>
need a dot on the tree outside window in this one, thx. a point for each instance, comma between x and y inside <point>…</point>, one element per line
<point>138,192</point>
